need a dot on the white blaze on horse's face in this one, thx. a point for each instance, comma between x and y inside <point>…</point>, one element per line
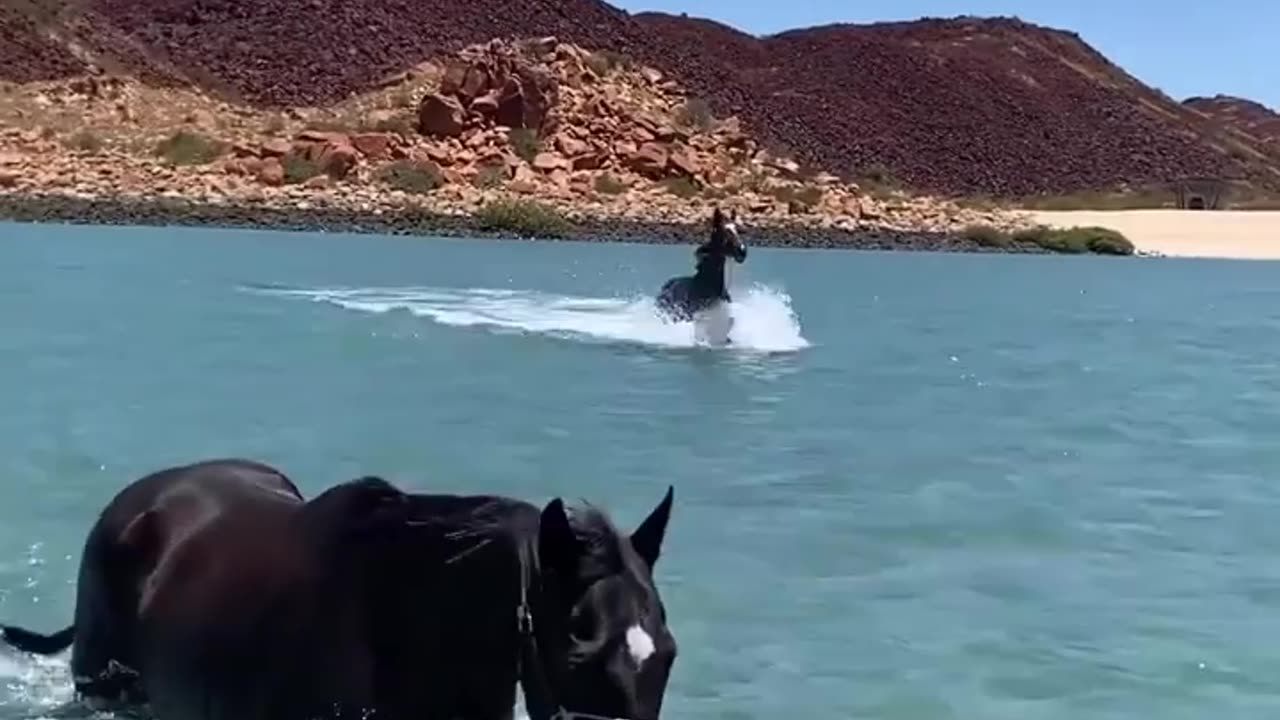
<point>639,644</point>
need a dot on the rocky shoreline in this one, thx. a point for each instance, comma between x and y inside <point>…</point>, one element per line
<point>184,212</point>
<point>527,138</point>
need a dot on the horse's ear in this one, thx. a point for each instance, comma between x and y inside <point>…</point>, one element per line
<point>647,539</point>
<point>558,546</point>
<point>717,217</point>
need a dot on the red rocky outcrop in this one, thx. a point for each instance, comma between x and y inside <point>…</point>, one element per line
<point>497,83</point>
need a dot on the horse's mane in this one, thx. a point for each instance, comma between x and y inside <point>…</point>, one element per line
<point>476,522</point>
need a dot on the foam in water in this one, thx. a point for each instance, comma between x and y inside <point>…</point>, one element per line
<point>40,685</point>
<point>763,320</point>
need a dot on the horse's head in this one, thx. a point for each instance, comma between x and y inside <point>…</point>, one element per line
<point>725,229</point>
<point>603,629</point>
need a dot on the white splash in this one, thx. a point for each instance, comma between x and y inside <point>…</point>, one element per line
<point>639,644</point>
<point>763,320</point>
<point>42,685</point>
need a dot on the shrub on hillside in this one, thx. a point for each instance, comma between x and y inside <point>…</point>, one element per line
<point>186,147</point>
<point>681,187</point>
<point>490,176</point>
<point>411,176</point>
<point>526,218</point>
<point>607,184</point>
<point>604,62</point>
<point>85,141</point>
<point>400,123</point>
<point>695,114</point>
<point>807,197</point>
<point>525,143</point>
<point>297,168</point>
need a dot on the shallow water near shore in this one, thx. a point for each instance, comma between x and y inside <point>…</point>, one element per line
<point>916,485</point>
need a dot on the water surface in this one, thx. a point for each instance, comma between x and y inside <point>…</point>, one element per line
<point>918,486</point>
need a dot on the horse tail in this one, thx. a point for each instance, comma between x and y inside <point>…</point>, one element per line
<point>37,643</point>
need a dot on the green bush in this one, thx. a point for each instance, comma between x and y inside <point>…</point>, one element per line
<point>609,185</point>
<point>185,147</point>
<point>807,197</point>
<point>696,114</point>
<point>411,176</point>
<point>525,143</point>
<point>987,236</point>
<point>402,99</point>
<point>1104,241</point>
<point>1076,240</point>
<point>297,168</point>
<point>681,187</point>
<point>490,176</point>
<point>526,218</point>
<point>85,141</point>
<point>606,61</point>
<point>400,123</point>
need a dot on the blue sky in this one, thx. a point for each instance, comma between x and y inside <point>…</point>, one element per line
<point>1184,47</point>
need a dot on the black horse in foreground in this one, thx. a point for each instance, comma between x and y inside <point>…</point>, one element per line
<point>681,298</point>
<point>213,591</point>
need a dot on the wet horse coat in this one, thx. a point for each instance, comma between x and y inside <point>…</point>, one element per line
<point>681,298</point>
<point>213,591</point>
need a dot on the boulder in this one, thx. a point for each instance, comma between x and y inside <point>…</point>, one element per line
<point>337,159</point>
<point>650,160</point>
<point>275,147</point>
<point>549,162</point>
<point>476,82</point>
<point>375,146</point>
<point>684,162</point>
<point>271,172</point>
<point>487,105</point>
<point>590,161</point>
<point>571,147</point>
<point>454,77</point>
<point>441,115</point>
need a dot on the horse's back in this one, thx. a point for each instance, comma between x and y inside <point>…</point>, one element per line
<point>448,602</point>
<point>131,539</point>
<point>258,608</point>
<point>246,610</point>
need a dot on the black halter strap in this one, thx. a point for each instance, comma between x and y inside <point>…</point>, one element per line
<point>539,695</point>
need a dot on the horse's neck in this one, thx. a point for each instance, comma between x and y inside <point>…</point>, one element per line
<point>711,276</point>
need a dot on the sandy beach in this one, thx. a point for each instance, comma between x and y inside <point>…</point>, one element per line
<point>1239,234</point>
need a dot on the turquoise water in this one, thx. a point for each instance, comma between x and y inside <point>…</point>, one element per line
<point>919,486</point>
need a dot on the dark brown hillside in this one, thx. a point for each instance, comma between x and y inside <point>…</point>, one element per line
<point>964,106</point>
<point>1247,116</point>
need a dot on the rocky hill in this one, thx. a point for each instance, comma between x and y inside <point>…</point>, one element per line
<point>963,106</point>
<point>583,134</point>
<point>1254,119</point>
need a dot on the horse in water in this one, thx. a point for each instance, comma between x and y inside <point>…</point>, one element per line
<point>682,298</point>
<point>213,591</point>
